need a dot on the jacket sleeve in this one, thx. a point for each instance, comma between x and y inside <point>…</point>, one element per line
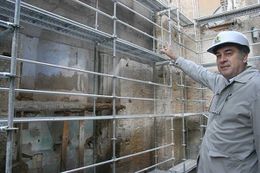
<point>256,126</point>
<point>198,73</point>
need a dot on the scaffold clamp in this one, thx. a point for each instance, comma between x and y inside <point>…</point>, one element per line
<point>13,25</point>
<point>167,62</point>
<point>6,128</point>
<point>6,75</point>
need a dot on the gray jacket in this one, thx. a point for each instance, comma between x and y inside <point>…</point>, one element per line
<point>232,140</point>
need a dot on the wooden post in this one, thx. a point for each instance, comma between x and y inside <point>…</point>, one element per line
<point>65,140</point>
<point>81,143</point>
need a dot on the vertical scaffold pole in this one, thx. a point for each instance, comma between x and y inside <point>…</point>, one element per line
<point>171,88</point>
<point>11,94</point>
<point>114,85</point>
<point>95,88</point>
<point>184,145</point>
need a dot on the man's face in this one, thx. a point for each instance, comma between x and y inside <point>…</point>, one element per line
<point>230,61</point>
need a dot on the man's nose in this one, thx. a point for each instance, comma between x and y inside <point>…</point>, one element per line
<point>222,59</point>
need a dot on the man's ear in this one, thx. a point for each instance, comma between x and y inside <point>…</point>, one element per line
<point>245,58</point>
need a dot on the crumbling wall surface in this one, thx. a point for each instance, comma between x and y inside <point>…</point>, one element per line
<point>253,25</point>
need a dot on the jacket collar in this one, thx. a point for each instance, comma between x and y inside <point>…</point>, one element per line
<point>244,76</point>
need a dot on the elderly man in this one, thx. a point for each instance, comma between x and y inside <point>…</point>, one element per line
<point>231,143</point>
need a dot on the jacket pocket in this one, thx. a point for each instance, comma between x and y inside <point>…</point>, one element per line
<point>217,154</point>
<point>218,102</point>
<point>229,164</point>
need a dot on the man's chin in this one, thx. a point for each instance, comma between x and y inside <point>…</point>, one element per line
<point>226,75</point>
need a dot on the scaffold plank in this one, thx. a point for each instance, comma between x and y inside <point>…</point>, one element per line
<point>184,21</point>
<point>154,5</point>
<point>184,167</point>
<point>53,22</point>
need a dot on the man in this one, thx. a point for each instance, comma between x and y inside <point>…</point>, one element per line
<point>231,143</point>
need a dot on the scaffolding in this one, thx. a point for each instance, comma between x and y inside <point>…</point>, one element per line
<point>41,18</point>
<point>17,12</point>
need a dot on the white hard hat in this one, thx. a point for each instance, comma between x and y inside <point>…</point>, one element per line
<point>229,37</point>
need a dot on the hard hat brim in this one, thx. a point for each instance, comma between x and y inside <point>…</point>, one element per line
<point>213,48</point>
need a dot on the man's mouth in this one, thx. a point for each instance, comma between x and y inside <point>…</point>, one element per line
<point>224,67</point>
